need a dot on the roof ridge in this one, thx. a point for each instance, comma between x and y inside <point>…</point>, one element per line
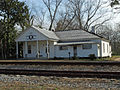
<point>67,30</point>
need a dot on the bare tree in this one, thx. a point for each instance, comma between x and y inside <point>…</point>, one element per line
<point>66,19</point>
<point>88,12</point>
<point>38,12</point>
<point>112,34</point>
<point>52,9</point>
<point>39,17</point>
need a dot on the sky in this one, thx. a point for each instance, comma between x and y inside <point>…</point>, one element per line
<point>39,4</point>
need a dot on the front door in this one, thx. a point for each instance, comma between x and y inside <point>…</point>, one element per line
<point>75,51</point>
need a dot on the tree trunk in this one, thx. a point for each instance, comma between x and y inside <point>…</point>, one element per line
<point>50,26</point>
<point>2,56</point>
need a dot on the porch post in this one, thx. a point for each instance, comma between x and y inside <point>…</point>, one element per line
<point>17,50</point>
<point>47,49</point>
<point>26,49</point>
<point>37,49</point>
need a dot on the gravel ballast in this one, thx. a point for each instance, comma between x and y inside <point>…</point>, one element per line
<point>62,82</point>
<point>59,83</point>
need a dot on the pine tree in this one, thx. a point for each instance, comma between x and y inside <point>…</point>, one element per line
<point>12,12</point>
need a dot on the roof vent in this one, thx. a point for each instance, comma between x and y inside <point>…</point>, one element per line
<point>93,30</point>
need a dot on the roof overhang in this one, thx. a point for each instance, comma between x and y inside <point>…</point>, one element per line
<point>74,43</point>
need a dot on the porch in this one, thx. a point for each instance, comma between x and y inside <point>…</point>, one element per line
<point>76,49</point>
<point>39,49</point>
<point>37,43</point>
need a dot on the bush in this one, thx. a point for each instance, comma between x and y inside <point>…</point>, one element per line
<point>92,56</point>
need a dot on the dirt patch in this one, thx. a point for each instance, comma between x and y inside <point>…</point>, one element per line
<point>117,59</point>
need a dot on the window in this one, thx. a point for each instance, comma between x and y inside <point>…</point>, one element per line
<point>29,49</point>
<point>107,48</point>
<point>63,48</point>
<point>87,46</point>
<point>104,47</point>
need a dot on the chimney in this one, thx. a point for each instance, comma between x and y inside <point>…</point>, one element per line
<point>93,30</point>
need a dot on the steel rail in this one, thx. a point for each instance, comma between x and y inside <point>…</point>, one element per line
<point>66,63</point>
<point>58,73</point>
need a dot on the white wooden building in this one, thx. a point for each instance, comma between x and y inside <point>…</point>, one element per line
<point>40,43</point>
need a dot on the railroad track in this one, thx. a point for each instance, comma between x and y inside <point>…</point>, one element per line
<point>81,74</point>
<point>66,63</point>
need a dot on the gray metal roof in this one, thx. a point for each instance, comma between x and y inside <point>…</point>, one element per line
<point>71,35</point>
<point>47,33</point>
<point>68,35</point>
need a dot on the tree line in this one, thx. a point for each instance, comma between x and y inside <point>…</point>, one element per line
<point>56,14</point>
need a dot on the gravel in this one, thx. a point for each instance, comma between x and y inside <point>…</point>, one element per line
<point>62,81</point>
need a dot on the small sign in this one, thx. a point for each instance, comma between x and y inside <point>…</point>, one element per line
<point>30,37</point>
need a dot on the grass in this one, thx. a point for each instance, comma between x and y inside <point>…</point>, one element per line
<point>113,58</point>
